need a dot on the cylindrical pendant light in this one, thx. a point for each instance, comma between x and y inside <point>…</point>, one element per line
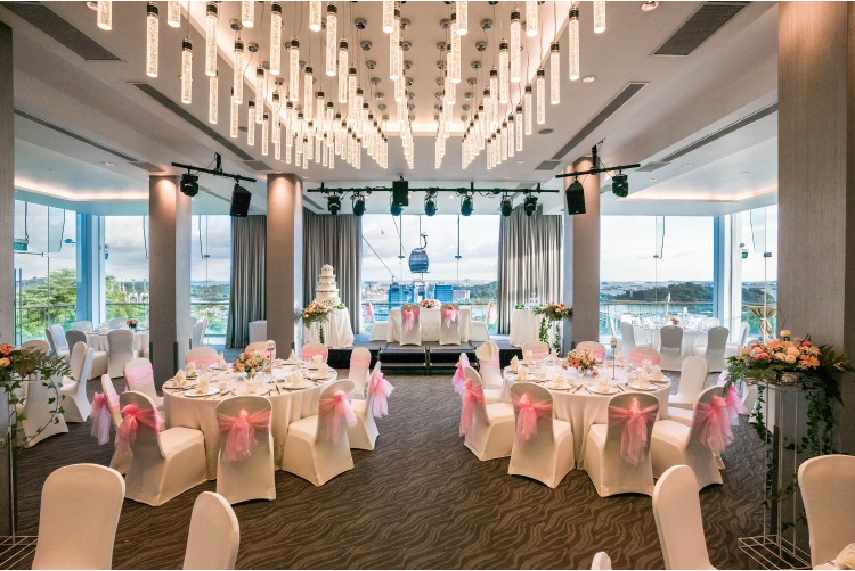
<point>395,46</point>
<point>540,88</point>
<point>233,114</point>
<point>275,38</point>
<point>531,19</point>
<point>151,23</point>
<point>186,71</point>
<point>599,16</point>
<point>105,14</point>
<point>319,110</point>
<point>516,42</point>
<point>331,39</point>
<point>461,10</point>
<point>294,72</point>
<point>265,135</point>
<point>308,83</point>
<point>250,123</point>
<point>503,72</point>
<point>275,119</point>
<point>315,15</point>
<point>211,19</point>
<point>573,43</point>
<point>344,65</point>
<point>388,8</point>
<point>173,14</point>
<point>238,72</point>
<point>247,13</point>
<point>213,99</point>
<point>519,127</point>
<point>555,73</point>
<point>259,94</point>
<point>527,109</point>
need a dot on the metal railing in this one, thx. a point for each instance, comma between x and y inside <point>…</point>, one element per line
<point>381,313</point>
<point>612,310</point>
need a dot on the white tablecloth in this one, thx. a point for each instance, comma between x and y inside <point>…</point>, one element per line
<point>650,335</point>
<point>338,333</point>
<point>201,414</point>
<point>582,409</point>
<point>525,326</point>
<point>98,341</point>
<point>430,324</point>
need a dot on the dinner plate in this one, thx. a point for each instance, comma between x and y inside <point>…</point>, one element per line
<point>297,386</point>
<point>608,391</point>
<point>194,393</point>
<point>558,386</point>
<point>171,385</point>
<point>640,388</point>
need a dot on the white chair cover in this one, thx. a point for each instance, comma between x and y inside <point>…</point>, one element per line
<point>251,476</point>
<point>38,411</point>
<point>309,350</point>
<point>312,451</point>
<point>491,395</point>
<point>37,344</point>
<point>260,346</point>
<point>714,350</point>
<point>56,338</point>
<point>214,535</point>
<point>73,336</point>
<point>121,456</point>
<point>627,337</point>
<point>364,434</point>
<point>732,349</point>
<point>257,331</point>
<point>601,562</point>
<point>674,443</point>
<point>360,361</point>
<point>692,381</point>
<point>677,511</point>
<point>75,401</point>
<point>642,353</point>
<point>538,349</point>
<point>80,509</point>
<point>671,348</point>
<point>488,366</point>
<point>202,356</point>
<point>117,324</point>
<point>605,463</point>
<point>491,432</point>
<point>594,347</point>
<point>143,384</point>
<point>449,324</point>
<point>411,335</point>
<point>84,326</point>
<point>163,464</point>
<point>827,485</point>
<point>199,332</point>
<point>546,456</point>
<point>120,350</point>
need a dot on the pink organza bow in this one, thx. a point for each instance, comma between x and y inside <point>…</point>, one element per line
<point>449,316</point>
<point>714,424</point>
<point>734,405</point>
<point>369,313</point>
<point>638,359</point>
<point>472,394</point>
<point>309,354</point>
<point>458,378</point>
<point>241,428</point>
<point>633,439</point>
<point>203,360</point>
<point>382,389</point>
<point>527,413</point>
<point>101,419</point>
<point>409,316</point>
<point>132,416</point>
<point>539,353</point>
<point>137,376</point>
<point>597,353</point>
<point>336,409</point>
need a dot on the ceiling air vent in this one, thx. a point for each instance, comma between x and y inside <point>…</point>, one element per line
<point>75,136</point>
<point>613,105</point>
<point>60,30</point>
<point>154,169</point>
<point>181,112</point>
<point>547,165</point>
<point>698,29</point>
<point>651,166</point>
<point>258,165</point>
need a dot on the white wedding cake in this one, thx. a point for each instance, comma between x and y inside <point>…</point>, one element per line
<point>326,291</point>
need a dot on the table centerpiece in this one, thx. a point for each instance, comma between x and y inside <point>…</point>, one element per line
<point>251,362</point>
<point>429,303</point>
<point>317,313</point>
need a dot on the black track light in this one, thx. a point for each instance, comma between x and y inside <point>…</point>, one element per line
<point>466,206</point>
<point>507,206</point>
<point>333,204</point>
<point>358,205</point>
<point>620,185</point>
<point>241,198</point>
<point>395,209</point>
<point>530,204</point>
<point>430,205</point>
<point>190,184</point>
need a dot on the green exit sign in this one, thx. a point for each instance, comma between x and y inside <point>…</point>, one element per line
<point>20,246</point>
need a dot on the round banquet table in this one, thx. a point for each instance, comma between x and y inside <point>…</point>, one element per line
<point>200,413</point>
<point>98,341</point>
<point>582,408</point>
<point>650,335</point>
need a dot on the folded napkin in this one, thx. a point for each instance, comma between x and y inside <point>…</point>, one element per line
<point>846,558</point>
<point>179,380</point>
<point>191,367</point>
<point>515,364</point>
<point>488,351</point>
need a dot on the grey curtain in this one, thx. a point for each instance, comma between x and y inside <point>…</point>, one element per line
<point>248,291</point>
<point>529,261</point>
<point>337,241</point>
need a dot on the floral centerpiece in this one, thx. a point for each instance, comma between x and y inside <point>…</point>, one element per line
<point>582,360</point>
<point>316,313</point>
<point>675,320</point>
<point>428,303</point>
<point>251,362</point>
<point>15,366</point>
<point>553,313</point>
<point>132,323</point>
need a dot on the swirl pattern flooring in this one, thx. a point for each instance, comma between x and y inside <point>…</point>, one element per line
<point>419,500</point>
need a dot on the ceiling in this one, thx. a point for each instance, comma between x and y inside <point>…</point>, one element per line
<point>682,100</point>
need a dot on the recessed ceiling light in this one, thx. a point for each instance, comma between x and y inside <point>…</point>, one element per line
<point>589,79</point>
<point>519,162</point>
<point>653,179</point>
<point>649,6</point>
<point>108,163</point>
<point>545,131</point>
<point>507,176</point>
<point>688,165</point>
<point>745,172</point>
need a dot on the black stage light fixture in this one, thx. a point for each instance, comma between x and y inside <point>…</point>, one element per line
<point>190,184</point>
<point>575,198</point>
<point>430,205</point>
<point>620,185</point>
<point>395,208</point>
<point>241,198</point>
<point>466,206</point>
<point>333,204</point>
<point>358,205</point>
<point>530,204</point>
<point>507,206</point>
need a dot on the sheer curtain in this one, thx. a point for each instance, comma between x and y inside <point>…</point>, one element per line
<point>337,241</point>
<point>248,291</point>
<point>529,261</point>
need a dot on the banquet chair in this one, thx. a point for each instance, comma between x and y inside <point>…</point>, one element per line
<point>627,338</point>
<point>488,366</point>
<point>73,336</point>
<point>827,485</point>
<point>449,324</point>
<point>613,468</point>
<point>538,349</point>
<point>490,432</point>
<point>37,344</point>
<point>310,350</point>
<point>671,348</point>
<point>245,474</point>
<point>84,326</point>
<point>596,348</point>
<point>139,376</point>
<point>601,562</point>
<point>360,361</point>
<point>316,447</point>
<point>411,334</point>
<point>202,356</point>
<point>731,349</point>
<point>692,379</point>
<point>199,332</point>
<point>121,457</point>
<point>677,511</point>
<point>674,443</point>
<point>638,355</point>
<point>491,395</point>
<point>37,409</point>
<point>709,321</point>
<point>114,324</point>
<point>363,434</point>
<point>56,338</point>
<point>214,535</point>
<point>120,350</point>
<point>542,450</point>
<point>99,358</point>
<point>164,463</point>
<point>713,352</point>
<point>80,509</point>
<point>260,346</point>
<point>73,397</point>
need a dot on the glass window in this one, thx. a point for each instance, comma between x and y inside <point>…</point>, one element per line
<point>211,272</point>
<point>126,267</point>
<point>759,268</point>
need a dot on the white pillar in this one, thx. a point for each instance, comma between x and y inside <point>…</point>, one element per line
<point>284,260</point>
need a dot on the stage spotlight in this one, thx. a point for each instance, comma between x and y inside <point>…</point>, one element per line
<point>395,209</point>
<point>507,207</point>
<point>358,205</point>
<point>620,185</point>
<point>466,206</point>
<point>430,205</point>
<point>189,184</point>
<point>333,204</point>
<point>575,198</point>
<point>530,204</point>
<point>241,198</point>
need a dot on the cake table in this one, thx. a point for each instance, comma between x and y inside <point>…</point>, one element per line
<point>338,331</point>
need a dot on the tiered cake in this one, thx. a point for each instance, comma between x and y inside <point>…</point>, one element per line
<point>326,291</point>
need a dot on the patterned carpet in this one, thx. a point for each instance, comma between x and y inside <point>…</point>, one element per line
<point>420,500</point>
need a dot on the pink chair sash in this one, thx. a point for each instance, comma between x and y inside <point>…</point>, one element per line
<point>409,317</point>
<point>136,377</point>
<point>241,428</point>
<point>633,438</point>
<point>539,353</point>
<point>309,354</point>
<point>490,363</point>
<point>369,312</point>
<point>203,360</point>
<point>382,389</point>
<point>337,409</point>
<point>714,424</point>
<point>638,359</point>
<point>527,413</point>
<point>449,316</point>
<point>472,394</point>
<point>101,419</point>
<point>734,404</point>
<point>132,416</point>
<point>458,378</point>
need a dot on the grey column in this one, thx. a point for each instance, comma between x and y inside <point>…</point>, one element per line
<point>284,260</point>
<point>169,275</point>
<point>581,262</point>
